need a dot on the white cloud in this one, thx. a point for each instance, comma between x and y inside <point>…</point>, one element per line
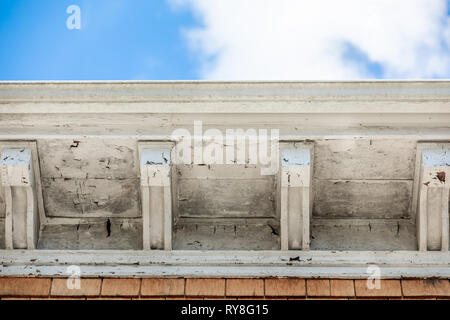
<point>319,39</point>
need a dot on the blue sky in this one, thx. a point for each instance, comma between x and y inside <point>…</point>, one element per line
<point>130,40</point>
<point>223,40</point>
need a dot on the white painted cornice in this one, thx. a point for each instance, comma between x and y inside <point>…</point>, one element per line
<point>225,97</point>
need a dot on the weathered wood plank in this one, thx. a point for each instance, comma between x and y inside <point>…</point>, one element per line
<point>284,218</point>
<point>362,199</point>
<point>2,201</point>
<point>2,233</point>
<point>340,234</point>
<point>226,237</point>
<point>354,159</point>
<point>319,258</point>
<point>91,197</point>
<point>167,223</point>
<point>88,158</point>
<point>155,218</point>
<point>297,126</point>
<point>226,198</point>
<point>220,171</point>
<point>214,92</point>
<point>119,235</point>
<point>196,263</point>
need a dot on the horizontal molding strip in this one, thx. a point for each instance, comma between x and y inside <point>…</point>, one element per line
<point>427,106</point>
<point>225,97</point>
<point>246,264</point>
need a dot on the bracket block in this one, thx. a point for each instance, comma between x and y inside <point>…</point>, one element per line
<point>296,195</point>
<point>431,199</point>
<point>155,170</point>
<point>22,221</point>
